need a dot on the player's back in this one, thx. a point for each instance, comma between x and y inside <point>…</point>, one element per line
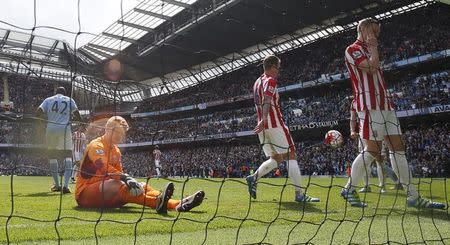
<point>58,109</point>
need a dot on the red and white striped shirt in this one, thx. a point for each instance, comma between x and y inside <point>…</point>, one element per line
<point>79,141</point>
<point>267,85</point>
<point>157,155</point>
<point>369,89</point>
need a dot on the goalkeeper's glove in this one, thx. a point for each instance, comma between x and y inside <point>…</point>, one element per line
<point>134,188</point>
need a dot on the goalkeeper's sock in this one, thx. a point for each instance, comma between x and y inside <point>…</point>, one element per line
<point>148,199</point>
<point>295,175</point>
<point>359,165</point>
<point>67,171</point>
<point>380,173</point>
<point>54,171</point>
<point>265,168</point>
<point>400,166</point>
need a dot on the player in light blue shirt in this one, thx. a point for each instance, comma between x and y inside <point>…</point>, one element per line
<point>58,110</point>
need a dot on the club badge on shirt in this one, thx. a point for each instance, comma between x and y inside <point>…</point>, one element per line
<point>356,54</point>
<point>99,152</point>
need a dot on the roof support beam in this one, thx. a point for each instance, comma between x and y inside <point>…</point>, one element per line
<point>111,50</point>
<point>144,28</point>
<point>5,37</point>
<point>119,37</point>
<point>163,17</point>
<point>52,50</point>
<point>99,52</point>
<point>87,54</point>
<point>180,4</point>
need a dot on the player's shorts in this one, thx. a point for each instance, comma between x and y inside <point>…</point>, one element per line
<point>276,141</point>
<point>157,164</point>
<point>77,156</point>
<point>58,139</point>
<point>91,197</point>
<point>374,124</point>
<point>360,144</point>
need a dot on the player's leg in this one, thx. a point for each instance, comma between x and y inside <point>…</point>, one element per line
<point>400,163</point>
<point>67,173</point>
<point>51,143</point>
<point>158,169</point>
<point>54,173</point>
<point>284,145</point>
<point>372,145</point>
<point>380,175</point>
<point>66,143</point>
<point>366,187</point>
<point>267,166</point>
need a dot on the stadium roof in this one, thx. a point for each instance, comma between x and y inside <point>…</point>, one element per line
<point>16,45</point>
<point>200,73</point>
<point>132,26</point>
<point>162,42</point>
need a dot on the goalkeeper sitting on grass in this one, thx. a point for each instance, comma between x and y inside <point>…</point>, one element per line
<point>101,181</point>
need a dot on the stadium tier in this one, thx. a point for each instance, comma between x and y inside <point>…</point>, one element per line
<point>226,122</point>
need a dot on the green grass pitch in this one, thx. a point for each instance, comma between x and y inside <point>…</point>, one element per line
<point>220,219</point>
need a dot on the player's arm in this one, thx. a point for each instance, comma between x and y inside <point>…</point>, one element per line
<point>371,64</point>
<point>353,132</point>
<point>268,92</point>
<point>42,117</point>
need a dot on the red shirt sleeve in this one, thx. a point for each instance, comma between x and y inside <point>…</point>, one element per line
<point>270,87</point>
<point>355,55</point>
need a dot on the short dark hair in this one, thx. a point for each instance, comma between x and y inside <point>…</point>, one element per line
<point>270,61</point>
<point>61,90</point>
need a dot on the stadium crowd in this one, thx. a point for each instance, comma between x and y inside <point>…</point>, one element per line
<point>427,151</point>
<point>419,92</point>
<point>403,37</point>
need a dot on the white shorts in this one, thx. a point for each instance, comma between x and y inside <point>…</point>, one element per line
<point>361,146</point>
<point>374,124</point>
<point>157,164</point>
<point>77,156</point>
<point>58,140</point>
<point>276,141</point>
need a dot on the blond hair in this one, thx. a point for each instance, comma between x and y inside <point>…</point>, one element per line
<point>117,121</point>
<point>367,22</point>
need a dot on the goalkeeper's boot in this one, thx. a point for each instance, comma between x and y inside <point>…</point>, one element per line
<point>251,183</point>
<point>352,197</point>
<point>55,188</point>
<point>163,198</point>
<point>301,197</point>
<point>421,203</point>
<point>382,189</point>
<point>397,187</point>
<point>365,189</point>
<point>191,202</point>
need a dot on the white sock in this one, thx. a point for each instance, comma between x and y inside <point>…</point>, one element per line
<point>400,166</point>
<point>366,176</point>
<point>380,173</point>
<point>54,171</point>
<point>67,171</point>
<point>295,175</point>
<point>158,172</point>
<point>359,165</point>
<point>265,168</point>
